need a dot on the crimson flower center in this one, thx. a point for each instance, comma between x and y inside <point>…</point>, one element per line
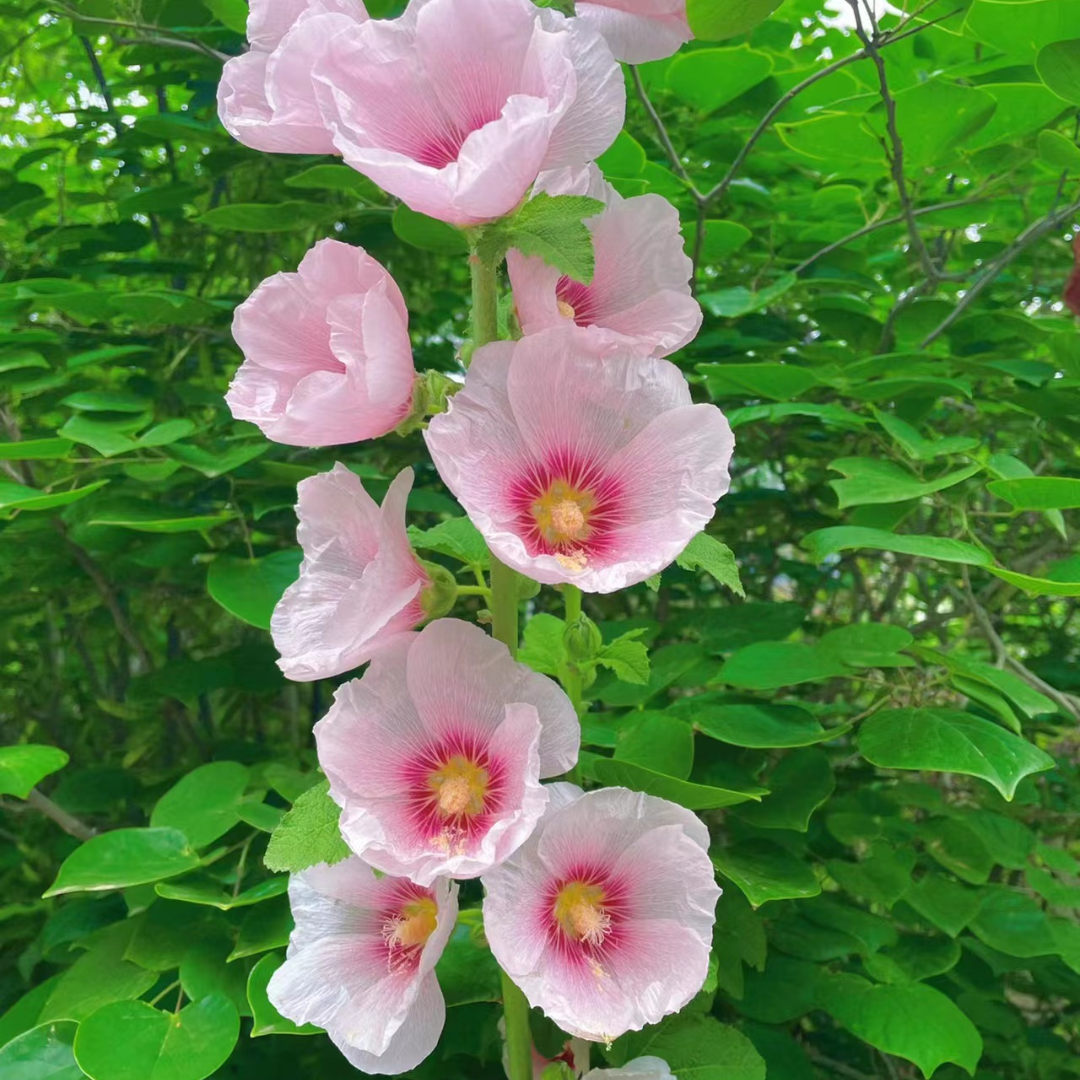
<point>562,513</point>
<point>407,931</point>
<point>459,788</point>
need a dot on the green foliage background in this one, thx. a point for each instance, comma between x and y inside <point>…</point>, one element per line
<point>881,734</point>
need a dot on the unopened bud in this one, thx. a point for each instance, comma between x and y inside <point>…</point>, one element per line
<point>431,393</point>
<point>438,598</point>
<point>582,640</point>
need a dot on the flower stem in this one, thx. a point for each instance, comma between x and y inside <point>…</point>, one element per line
<point>504,627</point>
<point>571,678</point>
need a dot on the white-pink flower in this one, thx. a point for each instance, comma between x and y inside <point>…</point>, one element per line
<point>360,583</point>
<point>644,1068</point>
<point>579,461</point>
<point>638,30</point>
<point>640,291</point>
<point>458,105</point>
<point>361,963</point>
<point>604,916</point>
<point>327,355</point>
<point>266,98</point>
<point>435,756</point>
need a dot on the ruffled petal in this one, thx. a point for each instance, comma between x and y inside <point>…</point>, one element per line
<point>635,35</point>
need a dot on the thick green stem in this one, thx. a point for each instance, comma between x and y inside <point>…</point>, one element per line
<point>518,1037</point>
<point>504,627</point>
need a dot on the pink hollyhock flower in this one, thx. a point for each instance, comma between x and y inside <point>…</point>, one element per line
<point>458,105</point>
<point>604,915</point>
<point>645,1068</point>
<point>640,291</point>
<point>638,30</point>
<point>327,355</point>
<point>266,98</point>
<point>579,461</point>
<point>435,755</point>
<point>361,963</point>
<point>360,583</point>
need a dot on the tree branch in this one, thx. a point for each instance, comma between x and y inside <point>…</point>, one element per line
<point>1036,231</point>
<point>68,822</point>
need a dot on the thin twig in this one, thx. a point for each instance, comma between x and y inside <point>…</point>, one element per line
<point>101,582</point>
<point>1035,231</point>
<point>68,822</point>
<point>662,133</point>
<point>869,38</point>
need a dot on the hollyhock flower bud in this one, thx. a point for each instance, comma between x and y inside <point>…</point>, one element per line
<point>327,355</point>
<point>638,30</point>
<point>360,583</point>
<point>604,915</point>
<point>458,105</point>
<point>361,963</point>
<point>579,461</point>
<point>266,98</point>
<point>640,291</point>
<point>435,755</point>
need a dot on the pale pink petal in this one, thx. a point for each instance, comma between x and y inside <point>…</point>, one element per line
<point>342,972</point>
<point>356,587</point>
<point>446,705</point>
<point>572,408</point>
<point>595,116</point>
<point>447,649</point>
<point>458,105</point>
<point>328,358</point>
<point>411,1043</point>
<point>640,289</point>
<point>647,864</point>
<point>644,1068</point>
<point>638,30</point>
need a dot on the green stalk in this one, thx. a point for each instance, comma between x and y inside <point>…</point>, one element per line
<point>504,628</point>
<point>571,676</point>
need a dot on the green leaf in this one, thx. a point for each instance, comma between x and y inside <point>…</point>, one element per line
<point>735,302</point>
<point>627,657</point>
<point>958,848</point>
<point>266,926</point>
<point>696,1047</point>
<point>42,1053</point>
<point>707,553</point>
<point>231,13</point>
<point>825,542</point>
<point>1058,65</point>
<point>871,481</point>
<point>551,227</point>
<point>251,588</point>
<point>1036,586</point>
<point>766,665</point>
<point>709,78</point>
<point>1014,924</point>
<point>715,20</point>
<point>457,537</point>
<point>1058,150</point>
<point>24,766</point>
<point>692,796</point>
<point>211,893</point>
<point>266,1020</point>
<point>106,438</point>
<point>916,446</point>
<point>308,833</point>
<point>659,742</point>
<point>100,975</point>
<point>131,1040</point>
<point>801,783</point>
<point>723,238</point>
<point>765,871</point>
<point>779,382</point>
<point>467,970</point>
<point>124,857</point>
<point>913,959</point>
<point>335,178</point>
<point>204,804</point>
<point>15,496</point>
<point>152,520</point>
<point>35,449</point>
<point>868,645</point>
<point>910,1020</point>
<point>945,740</point>
<point>107,401</point>
<point>543,648</point>
<point>882,877</point>
<point>946,904</point>
<point>1038,492</point>
<point>759,726</point>
<point>426,233</point>
<point>265,217</point>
